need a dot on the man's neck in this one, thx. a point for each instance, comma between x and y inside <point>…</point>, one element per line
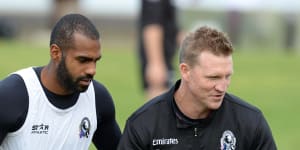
<point>50,82</point>
<point>190,106</point>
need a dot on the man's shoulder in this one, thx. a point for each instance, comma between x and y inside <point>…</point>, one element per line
<point>240,104</point>
<point>11,83</point>
<point>151,109</point>
<point>102,95</point>
<point>13,101</point>
<point>99,87</point>
<point>13,88</point>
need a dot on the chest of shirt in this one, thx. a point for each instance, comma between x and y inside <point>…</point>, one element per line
<point>217,134</point>
<point>58,129</point>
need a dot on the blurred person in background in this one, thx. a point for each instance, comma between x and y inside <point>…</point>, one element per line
<point>62,7</point>
<point>235,14</point>
<point>198,112</point>
<point>289,13</point>
<point>8,28</point>
<point>158,40</point>
<point>234,25</point>
<point>290,31</point>
<point>60,106</point>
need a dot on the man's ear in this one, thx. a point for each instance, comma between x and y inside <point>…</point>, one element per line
<point>184,71</point>
<point>55,52</point>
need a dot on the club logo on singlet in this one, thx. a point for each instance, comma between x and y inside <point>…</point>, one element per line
<point>228,141</point>
<point>84,128</point>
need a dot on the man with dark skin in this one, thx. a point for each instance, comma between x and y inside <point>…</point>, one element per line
<point>60,106</point>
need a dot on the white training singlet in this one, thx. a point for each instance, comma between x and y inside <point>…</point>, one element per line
<point>49,128</point>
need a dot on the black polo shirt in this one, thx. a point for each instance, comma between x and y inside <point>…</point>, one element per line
<point>159,125</point>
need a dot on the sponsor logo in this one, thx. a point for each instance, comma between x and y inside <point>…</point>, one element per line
<point>163,141</point>
<point>84,128</point>
<point>228,141</point>
<point>40,129</point>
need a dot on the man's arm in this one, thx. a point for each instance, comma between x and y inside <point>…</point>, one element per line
<point>108,133</point>
<point>13,105</point>
<point>264,138</point>
<point>156,69</point>
<point>130,139</point>
<point>153,37</point>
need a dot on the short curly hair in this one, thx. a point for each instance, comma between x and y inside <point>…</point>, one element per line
<point>63,31</point>
<point>204,39</point>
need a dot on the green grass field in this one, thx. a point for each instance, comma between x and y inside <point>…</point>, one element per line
<point>265,78</point>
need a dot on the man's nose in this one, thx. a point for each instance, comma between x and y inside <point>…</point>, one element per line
<point>222,85</point>
<point>91,70</point>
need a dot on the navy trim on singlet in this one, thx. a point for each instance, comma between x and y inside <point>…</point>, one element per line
<point>59,101</point>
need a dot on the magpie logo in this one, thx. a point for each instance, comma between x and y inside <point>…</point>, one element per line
<point>39,129</point>
<point>228,141</point>
<point>85,127</point>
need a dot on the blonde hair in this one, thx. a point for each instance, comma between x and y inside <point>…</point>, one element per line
<point>204,39</point>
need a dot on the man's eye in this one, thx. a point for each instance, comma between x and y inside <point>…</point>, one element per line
<point>82,60</point>
<point>213,77</point>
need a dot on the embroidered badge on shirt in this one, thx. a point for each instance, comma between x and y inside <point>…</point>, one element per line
<point>228,141</point>
<point>84,127</point>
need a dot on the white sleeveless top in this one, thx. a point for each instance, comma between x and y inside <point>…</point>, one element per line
<point>49,128</point>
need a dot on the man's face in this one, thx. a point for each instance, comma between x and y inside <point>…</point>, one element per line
<point>78,65</point>
<point>209,79</point>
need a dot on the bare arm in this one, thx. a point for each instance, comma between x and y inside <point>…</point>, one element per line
<point>156,70</point>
